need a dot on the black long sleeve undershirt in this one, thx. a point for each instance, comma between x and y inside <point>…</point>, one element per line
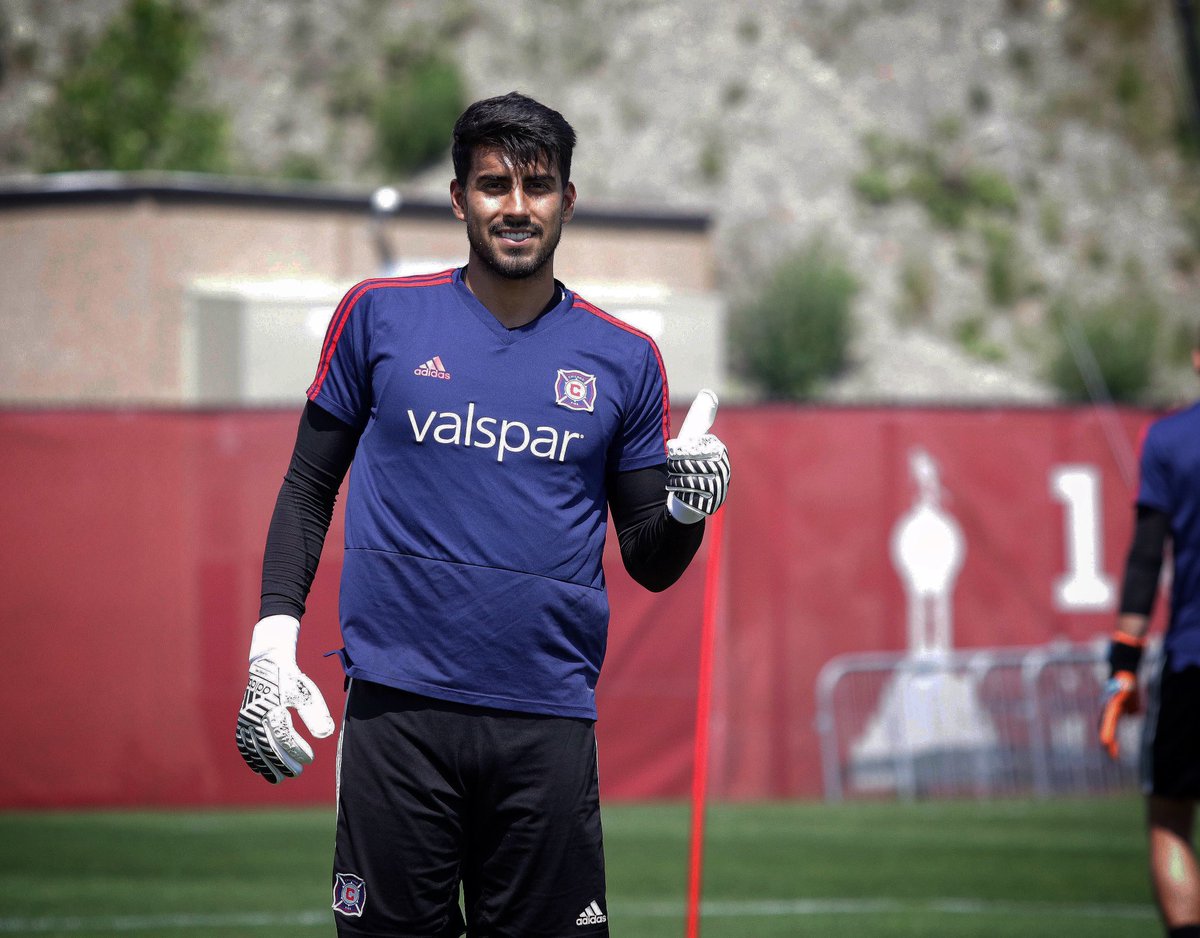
<point>304,510</point>
<point>1144,564</point>
<point>655,548</point>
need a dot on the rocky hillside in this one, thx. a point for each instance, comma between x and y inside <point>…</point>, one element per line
<point>992,171</point>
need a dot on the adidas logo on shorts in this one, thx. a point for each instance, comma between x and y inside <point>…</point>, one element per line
<point>591,915</point>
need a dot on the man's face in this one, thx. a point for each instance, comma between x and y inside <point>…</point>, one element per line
<point>514,214</point>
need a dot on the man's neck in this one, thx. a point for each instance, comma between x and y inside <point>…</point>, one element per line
<point>514,303</point>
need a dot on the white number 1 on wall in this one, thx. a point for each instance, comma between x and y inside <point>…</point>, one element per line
<point>1084,586</point>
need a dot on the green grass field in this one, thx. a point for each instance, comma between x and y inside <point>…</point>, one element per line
<point>1000,868</point>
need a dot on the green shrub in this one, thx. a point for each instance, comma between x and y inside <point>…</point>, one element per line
<point>415,113</point>
<point>917,288</point>
<point>1002,274</point>
<point>1120,336</point>
<point>1051,223</point>
<point>350,91</point>
<point>734,93</point>
<point>1128,18</point>
<point>1189,219</point>
<point>710,162</point>
<point>305,167</point>
<point>948,128</point>
<point>979,98</point>
<point>971,334</point>
<point>950,194</point>
<point>797,331</point>
<point>990,190</point>
<point>748,29</point>
<point>1129,86</point>
<point>880,148</point>
<point>1186,136</point>
<point>1181,341</point>
<point>125,104</point>
<point>1095,252</point>
<point>874,187</point>
<point>1023,61</point>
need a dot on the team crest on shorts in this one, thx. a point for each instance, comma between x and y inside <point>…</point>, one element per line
<point>349,894</point>
<point>575,390</point>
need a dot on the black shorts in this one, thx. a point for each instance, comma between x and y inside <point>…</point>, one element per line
<point>434,795</point>
<point>1170,741</point>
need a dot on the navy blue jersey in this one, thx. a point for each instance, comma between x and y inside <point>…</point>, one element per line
<point>477,510</point>
<point>1170,483</point>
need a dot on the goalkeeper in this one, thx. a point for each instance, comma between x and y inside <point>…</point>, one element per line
<point>494,420</point>
<point>1168,512</point>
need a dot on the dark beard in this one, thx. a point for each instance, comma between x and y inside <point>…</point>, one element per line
<point>514,268</point>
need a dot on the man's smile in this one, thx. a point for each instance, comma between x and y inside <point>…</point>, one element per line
<point>517,235</point>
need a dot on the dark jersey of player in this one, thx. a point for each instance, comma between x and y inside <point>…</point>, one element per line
<point>477,504</point>
<point>1170,483</point>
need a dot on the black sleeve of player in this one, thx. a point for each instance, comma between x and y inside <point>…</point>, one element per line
<point>304,509</point>
<point>1151,530</point>
<point>655,548</point>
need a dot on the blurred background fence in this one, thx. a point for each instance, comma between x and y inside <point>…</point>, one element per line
<point>983,723</point>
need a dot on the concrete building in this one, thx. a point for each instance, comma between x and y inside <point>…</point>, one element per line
<point>183,290</point>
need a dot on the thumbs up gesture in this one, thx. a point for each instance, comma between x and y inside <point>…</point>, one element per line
<point>697,464</point>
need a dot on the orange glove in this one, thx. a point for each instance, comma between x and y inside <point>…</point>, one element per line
<point>1120,696</point>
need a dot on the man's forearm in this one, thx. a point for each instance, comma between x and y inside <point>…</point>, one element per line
<point>655,548</point>
<point>304,510</point>
<point>1143,566</point>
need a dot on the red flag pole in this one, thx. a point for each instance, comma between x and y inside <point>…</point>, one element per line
<point>708,631</point>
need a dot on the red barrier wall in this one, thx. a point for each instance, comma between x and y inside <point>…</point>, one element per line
<point>134,541</point>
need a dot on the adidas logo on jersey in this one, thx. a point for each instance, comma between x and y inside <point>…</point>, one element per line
<point>432,369</point>
<point>591,915</point>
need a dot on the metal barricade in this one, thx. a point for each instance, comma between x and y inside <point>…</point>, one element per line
<point>982,723</point>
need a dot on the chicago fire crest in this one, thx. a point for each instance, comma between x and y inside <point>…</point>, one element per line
<point>349,894</point>
<point>575,390</point>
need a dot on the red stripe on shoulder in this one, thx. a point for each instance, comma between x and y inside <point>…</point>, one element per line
<point>581,303</point>
<point>342,314</point>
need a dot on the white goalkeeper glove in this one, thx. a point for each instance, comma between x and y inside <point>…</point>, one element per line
<point>266,737</point>
<point>697,464</point>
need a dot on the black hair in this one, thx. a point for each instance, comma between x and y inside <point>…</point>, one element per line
<point>524,129</point>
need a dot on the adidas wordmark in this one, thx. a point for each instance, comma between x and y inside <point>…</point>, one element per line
<point>432,369</point>
<point>591,915</point>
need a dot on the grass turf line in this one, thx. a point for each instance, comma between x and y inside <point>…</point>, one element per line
<point>781,869</point>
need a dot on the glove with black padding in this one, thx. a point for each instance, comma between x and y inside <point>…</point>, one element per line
<point>1120,695</point>
<point>266,737</point>
<point>697,464</point>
